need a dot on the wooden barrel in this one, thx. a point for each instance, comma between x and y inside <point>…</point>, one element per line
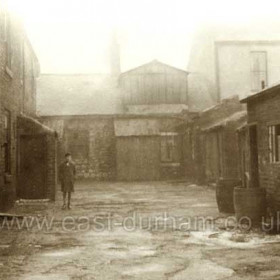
<point>250,205</point>
<point>224,194</point>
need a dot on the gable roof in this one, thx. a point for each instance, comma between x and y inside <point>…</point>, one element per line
<point>78,94</point>
<point>154,65</point>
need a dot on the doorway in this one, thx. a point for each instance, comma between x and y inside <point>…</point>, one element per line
<point>254,156</point>
<point>32,183</point>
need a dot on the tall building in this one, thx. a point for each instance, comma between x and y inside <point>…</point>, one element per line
<point>226,61</point>
<point>19,156</point>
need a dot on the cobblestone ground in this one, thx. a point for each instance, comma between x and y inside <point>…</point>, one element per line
<point>133,231</point>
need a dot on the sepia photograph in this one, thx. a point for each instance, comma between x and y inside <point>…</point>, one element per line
<point>139,140</point>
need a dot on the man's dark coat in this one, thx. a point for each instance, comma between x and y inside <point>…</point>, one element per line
<point>67,172</point>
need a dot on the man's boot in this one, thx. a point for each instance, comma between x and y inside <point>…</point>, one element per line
<point>64,201</point>
<point>69,199</point>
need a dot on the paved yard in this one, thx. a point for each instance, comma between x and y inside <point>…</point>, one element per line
<point>133,231</point>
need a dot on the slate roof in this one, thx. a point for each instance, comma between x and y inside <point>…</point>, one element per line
<point>78,94</point>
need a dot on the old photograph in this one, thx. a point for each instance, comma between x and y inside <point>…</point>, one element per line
<point>139,139</point>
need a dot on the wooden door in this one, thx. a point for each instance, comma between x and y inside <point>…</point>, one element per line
<point>243,157</point>
<point>138,158</point>
<point>254,156</point>
<point>213,156</point>
<point>32,183</point>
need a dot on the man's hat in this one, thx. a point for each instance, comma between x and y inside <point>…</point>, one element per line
<point>67,154</point>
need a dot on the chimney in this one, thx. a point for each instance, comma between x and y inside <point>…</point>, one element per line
<point>115,55</point>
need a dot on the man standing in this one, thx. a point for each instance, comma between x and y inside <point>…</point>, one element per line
<point>67,172</point>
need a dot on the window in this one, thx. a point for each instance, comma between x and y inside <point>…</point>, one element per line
<point>258,71</point>
<point>5,30</point>
<point>7,143</point>
<point>78,143</point>
<point>169,147</point>
<point>274,143</point>
<point>2,24</point>
<point>8,43</point>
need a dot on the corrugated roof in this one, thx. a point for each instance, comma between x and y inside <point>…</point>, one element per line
<point>78,94</point>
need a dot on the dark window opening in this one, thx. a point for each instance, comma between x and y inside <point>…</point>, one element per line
<point>7,143</point>
<point>78,143</point>
<point>7,38</point>
<point>274,143</point>
<point>258,71</point>
<point>169,148</point>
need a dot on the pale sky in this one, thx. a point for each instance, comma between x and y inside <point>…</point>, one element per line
<point>72,36</point>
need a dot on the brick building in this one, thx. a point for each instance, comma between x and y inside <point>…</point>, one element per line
<point>264,143</point>
<point>19,69</point>
<point>126,127</point>
<point>81,109</point>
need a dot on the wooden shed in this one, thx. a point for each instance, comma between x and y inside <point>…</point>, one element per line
<point>154,83</point>
<point>221,148</point>
<point>147,148</point>
<point>215,141</point>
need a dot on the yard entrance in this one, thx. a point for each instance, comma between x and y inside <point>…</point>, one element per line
<point>32,181</point>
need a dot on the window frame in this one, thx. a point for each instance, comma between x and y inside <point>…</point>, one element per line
<point>274,143</point>
<point>165,138</point>
<point>75,144</point>
<point>253,72</point>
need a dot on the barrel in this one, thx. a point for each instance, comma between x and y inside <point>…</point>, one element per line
<point>224,194</point>
<point>250,205</point>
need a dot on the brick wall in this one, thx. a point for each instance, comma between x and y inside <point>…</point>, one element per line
<point>264,113</point>
<point>12,81</point>
<point>99,161</point>
<point>94,153</point>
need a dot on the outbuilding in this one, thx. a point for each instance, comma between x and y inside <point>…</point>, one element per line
<point>264,139</point>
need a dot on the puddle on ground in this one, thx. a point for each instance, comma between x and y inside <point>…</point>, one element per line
<point>46,277</point>
<point>113,250</point>
<point>204,270</point>
<point>229,239</point>
<point>202,205</point>
<point>120,233</point>
<point>61,253</point>
<point>145,268</point>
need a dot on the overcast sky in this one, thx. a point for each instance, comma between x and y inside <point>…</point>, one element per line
<point>72,36</point>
